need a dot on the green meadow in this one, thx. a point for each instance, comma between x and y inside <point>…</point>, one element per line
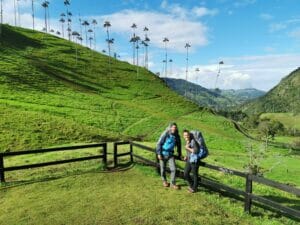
<point>51,97</point>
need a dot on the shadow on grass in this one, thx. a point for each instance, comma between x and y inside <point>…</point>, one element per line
<point>122,167</point>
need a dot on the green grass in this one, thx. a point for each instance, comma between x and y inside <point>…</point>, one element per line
<point>289,120</point>
<point>47,99</point>
<point>133,196</point>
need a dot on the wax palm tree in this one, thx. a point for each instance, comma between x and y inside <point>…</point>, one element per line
<point>85,24</point>
<point>15,12</point>
<point>18,10</point>
<point>69,14</point>
<point>94,22</point>
<point>75,34</point>
<point>58,33</point>
<point>166,40</point>
<point>80,24</point>
<point>218,74</point>
<point>45,5</point>
<point>133,40</point>
<point>62,20</point>
<point>137,39</point>
<point>171,66</point>
<point>187,46</point>
<point>32,13</point>
<point>91,38</point>
<point>107,25</point>
<point>90,31</point>
<point>146,41</point>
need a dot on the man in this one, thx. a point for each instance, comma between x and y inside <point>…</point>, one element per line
<point>165,153</point>
<point>192,163</point>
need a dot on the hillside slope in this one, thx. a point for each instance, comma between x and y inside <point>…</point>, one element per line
<point>216,99</point>
<point>47,97</point>
<point>284,97</point>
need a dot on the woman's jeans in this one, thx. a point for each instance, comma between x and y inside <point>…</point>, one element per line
<point>194,168</point>
<point>163,166</point>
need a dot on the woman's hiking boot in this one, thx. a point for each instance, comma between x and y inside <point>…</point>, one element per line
<point>166,184</point>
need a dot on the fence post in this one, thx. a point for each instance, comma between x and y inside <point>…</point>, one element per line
<point>248,199</point>
<point>2,177</point>
<point>115,155</point>
<point>105,155</point>
<point>131,153</point>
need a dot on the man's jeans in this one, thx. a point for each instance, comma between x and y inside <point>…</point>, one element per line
<point>163,165</point>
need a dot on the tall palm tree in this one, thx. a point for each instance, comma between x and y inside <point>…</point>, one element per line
<point>147,40</point>
<point>1,18</point>
<point>171,66</point>
<point>80,24</point>
<point>91,38</point>
<point>90,32</point>
<point>134,27</point>
<point>94,22</point>
<point>69,15</point>
<point>62,20</point>
<point>45,5</point>
<point>187,46</point>
<point>32,13</point>
<point>166,40</point>
<point>137,46</point>
<point>67,4</point>
<point>219,72</point>
<point>75,34</point>
<point>18,12</point>
<point>107,25</point>
<point>15,12</point>
<point>85,24</point>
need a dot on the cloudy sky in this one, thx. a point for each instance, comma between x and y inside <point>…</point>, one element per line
<point>258,40</point>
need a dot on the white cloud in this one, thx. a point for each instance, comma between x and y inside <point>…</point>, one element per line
<point>178,30</point>
<point>202,11</point>
<point>262,72</point>
<point>243,3</point>
<point>274,27</point>
<point>295,33</point>
<point>266,16</point>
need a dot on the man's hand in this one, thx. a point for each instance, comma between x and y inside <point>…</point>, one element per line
<point>159,157</point>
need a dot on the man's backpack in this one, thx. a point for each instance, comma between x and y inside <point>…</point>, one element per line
<point>169,144</point>
<point>198,137</point>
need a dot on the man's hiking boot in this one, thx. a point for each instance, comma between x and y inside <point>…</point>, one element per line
<point>166,184</point>
<point>175,187</point>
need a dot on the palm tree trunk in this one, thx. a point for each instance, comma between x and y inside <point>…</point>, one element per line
<point>15,11</point>
<point>166,66</point>
<point>94,37</point>
<point>32,9</point>
<point>63,30</point>
<point>1,11</point>
<point>86,39</point>
<point>187,70</point>
<point>46,20</point>
<point>18,11</point>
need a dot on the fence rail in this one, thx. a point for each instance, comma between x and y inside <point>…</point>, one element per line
<point>247,194</point>
<point>4,169</point>
<point>249,179</point>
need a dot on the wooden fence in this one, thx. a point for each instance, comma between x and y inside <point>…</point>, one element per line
<point>247,194</point>
<point>4,169</point>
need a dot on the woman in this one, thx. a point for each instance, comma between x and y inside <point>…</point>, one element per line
<point>192,165</point>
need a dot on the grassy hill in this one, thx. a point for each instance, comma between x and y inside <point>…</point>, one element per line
<point>49,98</point>
<point>211,98</point>
<point>283,98</point>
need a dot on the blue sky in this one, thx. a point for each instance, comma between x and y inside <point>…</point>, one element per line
<point>258,40</point>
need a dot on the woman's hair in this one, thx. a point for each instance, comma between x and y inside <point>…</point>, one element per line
<point>186,131</point>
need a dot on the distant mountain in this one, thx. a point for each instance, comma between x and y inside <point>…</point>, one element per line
<point>284,97</point>
<point>242,95</point>
<point>212,98</point>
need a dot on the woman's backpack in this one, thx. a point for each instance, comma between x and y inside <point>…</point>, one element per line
<point>203,151</point>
